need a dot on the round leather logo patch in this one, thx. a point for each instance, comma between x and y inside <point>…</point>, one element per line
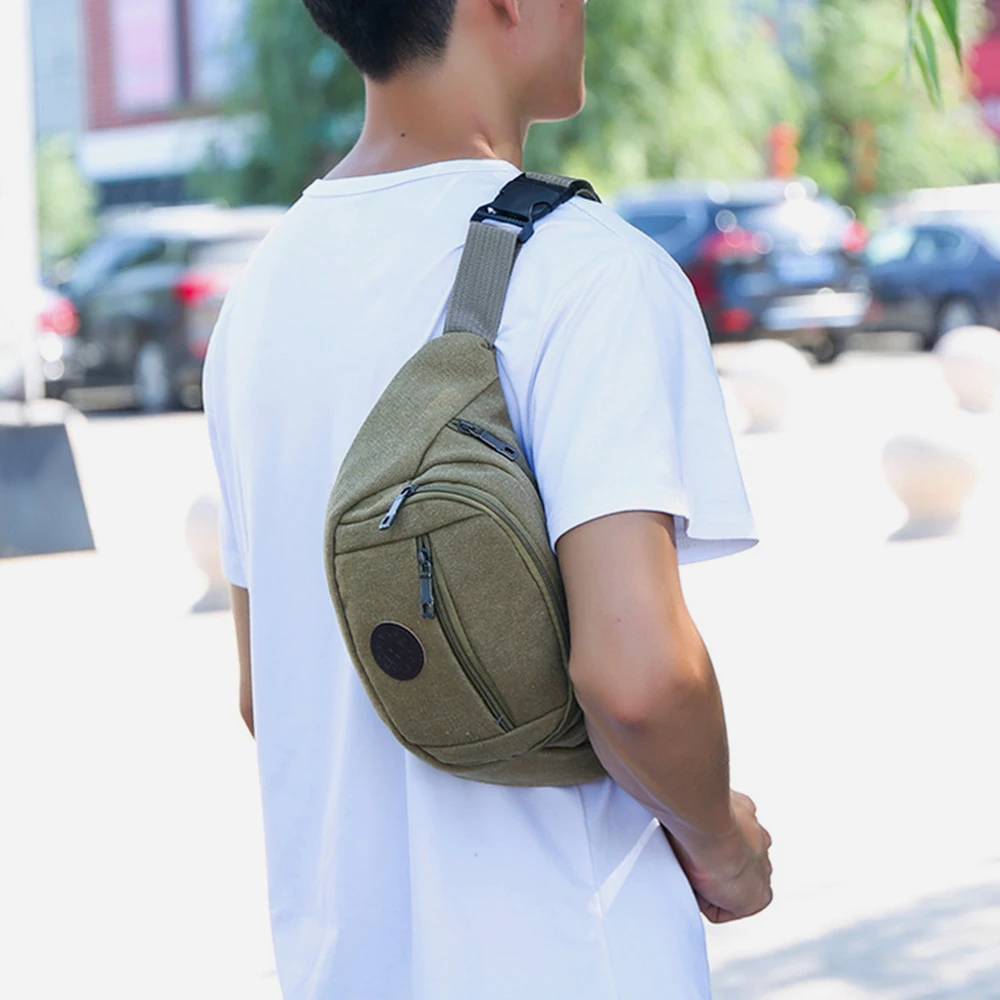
<point>397,651</point>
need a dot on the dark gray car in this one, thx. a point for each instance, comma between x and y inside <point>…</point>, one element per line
<point>935,275</point>
<point>766,259</point>
<point>148,293</point>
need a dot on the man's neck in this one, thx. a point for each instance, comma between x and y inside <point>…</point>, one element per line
<point>431,117</point>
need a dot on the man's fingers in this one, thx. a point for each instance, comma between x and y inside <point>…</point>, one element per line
<point>714,914</point>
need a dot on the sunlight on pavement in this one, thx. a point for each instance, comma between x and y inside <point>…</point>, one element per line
<point>144,853</point>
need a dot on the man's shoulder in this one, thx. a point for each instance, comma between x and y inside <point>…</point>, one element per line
<point>586,239</point>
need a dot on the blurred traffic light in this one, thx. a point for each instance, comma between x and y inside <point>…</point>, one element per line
<point>784,143</point>
<point>865,136</point>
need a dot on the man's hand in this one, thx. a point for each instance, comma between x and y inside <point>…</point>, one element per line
<point>731,880</point>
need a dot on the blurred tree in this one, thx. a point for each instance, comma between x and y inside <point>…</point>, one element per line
<point>668,96</point>
<point>675,90</point>
<point>66,203</point>
<point>307,99</point>
<point>868,129</point>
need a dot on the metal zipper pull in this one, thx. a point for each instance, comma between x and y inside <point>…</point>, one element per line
<point>426,566</point>
<point>474,430</point>
<point>390,518</point>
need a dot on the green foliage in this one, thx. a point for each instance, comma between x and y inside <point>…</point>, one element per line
<point>922,43</point>
<point>675,90</point>
<point>66,202</point>
<point>857,79</point>
<point>307,99</point>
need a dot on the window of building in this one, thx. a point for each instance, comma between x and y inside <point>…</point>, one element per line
<point>145,55</point>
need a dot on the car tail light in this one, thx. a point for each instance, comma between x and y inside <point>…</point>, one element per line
<point>195,287</point>
<point>734,320</point>
<point>59,317</point>
<point>201,293</point>
<point>719,249</point>
<point>855,237</point>
<point>735,245</point>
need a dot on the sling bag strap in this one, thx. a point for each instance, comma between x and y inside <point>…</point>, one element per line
<point>496,235</point>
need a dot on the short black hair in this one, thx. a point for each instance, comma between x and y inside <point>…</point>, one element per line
<point>382,37</point>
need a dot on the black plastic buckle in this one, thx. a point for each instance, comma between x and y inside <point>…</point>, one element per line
<point>525,201</point>
<point>524,223</point>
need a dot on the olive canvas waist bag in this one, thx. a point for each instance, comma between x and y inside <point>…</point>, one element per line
<point>437,556</point>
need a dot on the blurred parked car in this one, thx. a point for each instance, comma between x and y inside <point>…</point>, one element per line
<point>912,206</point>
<point>766,259</point>
<point>936,275</point>
<point>57,327</point>
<point>147,294</point>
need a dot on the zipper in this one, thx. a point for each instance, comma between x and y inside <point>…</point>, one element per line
<point>500,446</point>
<point>440,602</point>
<point>478,498</point>
<point>550,589</point>
<point>474,430</point>
<point>390,518</point>
<point>425,569</point>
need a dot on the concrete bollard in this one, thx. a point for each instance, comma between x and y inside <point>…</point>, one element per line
<point>202,533</point>
<point>768,378</point>
<point>970,360</point>
<point>933,473</point>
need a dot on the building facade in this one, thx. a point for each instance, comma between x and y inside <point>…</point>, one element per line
<point>138,83</point>
<point>156,71</point>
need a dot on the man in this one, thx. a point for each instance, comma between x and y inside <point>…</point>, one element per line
<point>390,880</point>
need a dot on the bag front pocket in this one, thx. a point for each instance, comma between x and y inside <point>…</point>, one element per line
<point>442,607</point>
<point>412,672</point>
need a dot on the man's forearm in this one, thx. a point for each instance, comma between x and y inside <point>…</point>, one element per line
<point>675,760</point>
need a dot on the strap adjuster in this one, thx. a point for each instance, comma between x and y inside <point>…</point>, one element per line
<point>526,200</point>
<point>524,223</point>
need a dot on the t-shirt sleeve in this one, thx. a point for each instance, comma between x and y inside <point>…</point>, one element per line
<point>625,411</point>
<point>230,551</point>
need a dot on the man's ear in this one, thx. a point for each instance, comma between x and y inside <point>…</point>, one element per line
<point>510,10</point>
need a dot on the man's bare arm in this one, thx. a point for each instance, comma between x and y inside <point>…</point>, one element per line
<point>241,617</point>
<point>653,708</point>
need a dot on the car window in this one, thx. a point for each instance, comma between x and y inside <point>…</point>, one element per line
<point>223,253</point>
<point>176,251</point>
<point>113,255</point>
<point>938,246</point>
<point>813,220</point>
<point>990,232</point>
<point>150,250</point>
<point>889,246</point>
<point>97,262</point>
<point>672,228</point>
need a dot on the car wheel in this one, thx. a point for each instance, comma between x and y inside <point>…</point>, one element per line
<point>828,349</point>
<point>954,314</point>
<point>153,380</point>
<point>190,397</point>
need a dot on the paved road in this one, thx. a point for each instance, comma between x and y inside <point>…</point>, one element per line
<point>862,688</point>
<point>860,676</point>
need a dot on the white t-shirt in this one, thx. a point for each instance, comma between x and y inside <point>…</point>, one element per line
<point>388,879</point>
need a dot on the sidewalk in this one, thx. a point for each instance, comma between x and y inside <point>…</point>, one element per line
<point>861,686</point>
